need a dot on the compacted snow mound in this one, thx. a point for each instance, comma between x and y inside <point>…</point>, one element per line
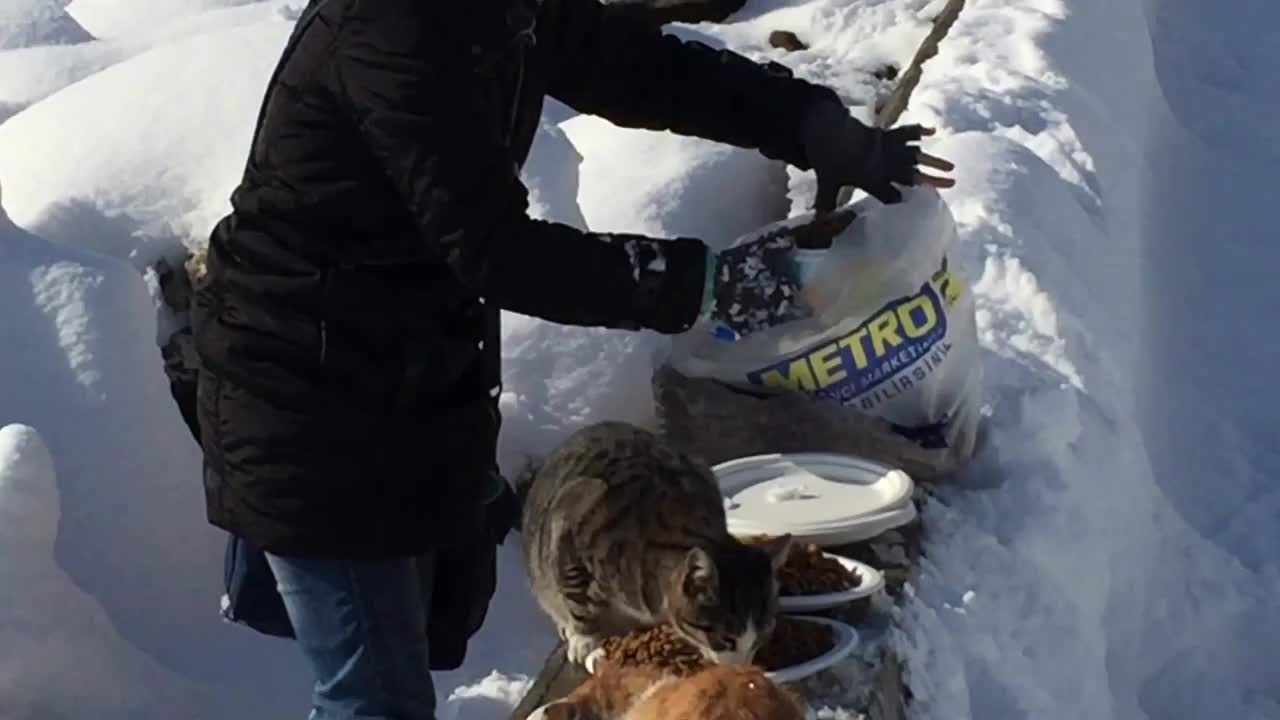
<point>112,18</point>
<point>1110,554</point>
<point>551,175</point>
<point>1116,570</point>
<point>29,74</point>
<point>27,23</point>
<point>665,185</point>
<point>182,117</point>
<point>110,575</point>
<point>63,654</point>
<point>161,164</point>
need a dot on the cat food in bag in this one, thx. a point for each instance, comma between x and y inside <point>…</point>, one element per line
<point>893,335</point>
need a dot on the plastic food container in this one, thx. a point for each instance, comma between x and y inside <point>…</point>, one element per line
<point>821,498</point>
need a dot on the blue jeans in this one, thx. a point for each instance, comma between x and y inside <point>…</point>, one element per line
<point>363,627</point>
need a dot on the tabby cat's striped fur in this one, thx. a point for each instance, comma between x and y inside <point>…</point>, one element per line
<point>621,533</point>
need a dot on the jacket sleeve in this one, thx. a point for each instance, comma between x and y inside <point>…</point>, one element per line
<point>431,125</point>
<point>604,63</point>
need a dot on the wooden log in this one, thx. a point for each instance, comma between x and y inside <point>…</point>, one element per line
<point>558,678</point>
<point>896,104</point>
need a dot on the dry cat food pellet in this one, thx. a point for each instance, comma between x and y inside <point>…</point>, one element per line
<point>809,572</point>
<point>659,646</point>
<point>792,642</point>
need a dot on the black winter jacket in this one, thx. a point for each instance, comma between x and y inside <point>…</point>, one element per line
<point>348,326</point>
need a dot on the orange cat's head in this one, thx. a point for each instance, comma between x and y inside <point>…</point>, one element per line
<point>720,692</point>
<point>607,695</point>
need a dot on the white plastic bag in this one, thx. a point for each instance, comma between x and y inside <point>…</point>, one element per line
<point>895,336</point>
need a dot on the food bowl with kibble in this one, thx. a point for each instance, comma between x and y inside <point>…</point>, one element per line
<point>812,579</point>
<point>826,499</point>
<point>799,647</point>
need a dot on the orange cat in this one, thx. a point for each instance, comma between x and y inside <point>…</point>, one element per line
<point>721,692</point>
<point>606,695</point>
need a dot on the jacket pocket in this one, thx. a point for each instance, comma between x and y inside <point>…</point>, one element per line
<point>273,358</point>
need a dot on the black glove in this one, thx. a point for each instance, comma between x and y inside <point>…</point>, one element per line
<point>753,286</point>
<point>502,513</point>
<point>844,152</point>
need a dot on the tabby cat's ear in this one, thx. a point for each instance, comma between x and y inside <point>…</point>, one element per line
<point>701,578</point>
<point>779,548</point>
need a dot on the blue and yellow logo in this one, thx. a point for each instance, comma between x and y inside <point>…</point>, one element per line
<point>901,333</point>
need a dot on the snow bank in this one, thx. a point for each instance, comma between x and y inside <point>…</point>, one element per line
<point>27,23</point>
<point>551,176</point>
<point>851,45</point>
<point>1100,586</point>
<point>27,75</point>
<point>1109,555</point>
<point>182,115</point>
<point>111,18</point>
<point>70,660</point>
<point>661,184</point>
<point>197,93</point>
<point>111,598</point>
<point>1207,406</point>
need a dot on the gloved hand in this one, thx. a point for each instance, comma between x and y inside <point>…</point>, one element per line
<point>502,509</point>
<point>752,287</point>
<point>844,152</point>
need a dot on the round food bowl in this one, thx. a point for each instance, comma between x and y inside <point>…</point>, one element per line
<point>825,499</point>
<point>844,641</point>
<point>872,583</point>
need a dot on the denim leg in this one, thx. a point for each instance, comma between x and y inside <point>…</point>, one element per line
<point>363,627</point>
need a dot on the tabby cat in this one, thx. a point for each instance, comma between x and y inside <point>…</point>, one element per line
<point>623,533</point>
<point>720,692</point>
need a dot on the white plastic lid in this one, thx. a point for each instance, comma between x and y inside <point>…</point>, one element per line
<point>823,498</point>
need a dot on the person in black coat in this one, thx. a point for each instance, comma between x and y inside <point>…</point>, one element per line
<point>347,328</point>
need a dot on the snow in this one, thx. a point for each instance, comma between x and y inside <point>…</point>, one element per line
<point>65,183</point>
<point>1109,554</point>
<point>110,577</point>
<point>552,174</point>
<point>28,23</point>
<point>30,74</point>
<point>1118,570</point>
<point>111,18</point>
<point>665,185</point>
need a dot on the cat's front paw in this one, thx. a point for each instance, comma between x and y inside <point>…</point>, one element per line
<point>579,647</point>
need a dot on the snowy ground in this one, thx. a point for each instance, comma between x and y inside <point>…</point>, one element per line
<point>1109,554</point>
